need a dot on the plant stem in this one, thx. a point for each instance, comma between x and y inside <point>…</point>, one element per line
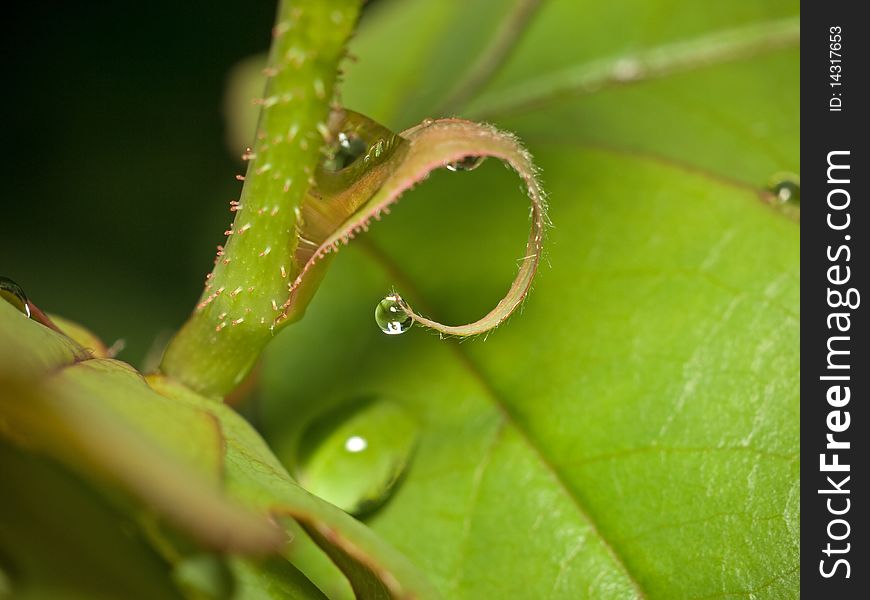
<point>234,319</point>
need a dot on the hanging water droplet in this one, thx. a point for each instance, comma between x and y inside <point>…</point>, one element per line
<point>12,293</point>
<point>390,316</point>
<point>354,455</point>
<point>786,187</point>
<point>466,163</point>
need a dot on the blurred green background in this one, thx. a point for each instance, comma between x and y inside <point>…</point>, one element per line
<point>116,174</point>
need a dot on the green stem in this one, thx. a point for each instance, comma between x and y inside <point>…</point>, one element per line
<point>244,294</point>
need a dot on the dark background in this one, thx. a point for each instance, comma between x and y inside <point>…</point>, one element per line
<point>821,132</point>
<point>115,171</point>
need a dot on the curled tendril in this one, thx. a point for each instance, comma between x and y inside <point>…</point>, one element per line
<point>352,187</point>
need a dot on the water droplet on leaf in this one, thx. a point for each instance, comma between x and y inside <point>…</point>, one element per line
<point>354,455</point>
<point>12,293</point>
<point>390,316</point>
<point>467,163</point>
<point>359,144</point>
<point>348,150</point>
<point>786,187</point>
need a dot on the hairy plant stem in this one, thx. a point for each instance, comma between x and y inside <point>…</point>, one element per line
<point>235,318</point>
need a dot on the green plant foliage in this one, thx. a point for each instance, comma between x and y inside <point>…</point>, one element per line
<point>178,456</point>
<point>40,557</point>
<point>631,432</point>
<point>634,432</point>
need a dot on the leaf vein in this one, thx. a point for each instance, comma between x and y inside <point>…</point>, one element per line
<point>499,404</point>
<point>474,496</point>
<point>654,63</point>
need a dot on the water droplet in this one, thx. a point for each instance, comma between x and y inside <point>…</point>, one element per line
<point>359,143</point>
<point>786,187</point>
<point>348,150</point>
<point>358,156</point>
<point>390,317</point>
<point>12,293</point>
<point>467,163</point>
<point>354,455</point>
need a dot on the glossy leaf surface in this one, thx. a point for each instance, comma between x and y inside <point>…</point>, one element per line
<point>181,457</point>
<point>634,431</point>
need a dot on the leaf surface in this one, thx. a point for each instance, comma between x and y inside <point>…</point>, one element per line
<point>189,460</point>
<point>634,432</point>
<point>41,558</point>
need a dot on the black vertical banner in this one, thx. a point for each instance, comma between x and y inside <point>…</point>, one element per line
<point>835,56</point>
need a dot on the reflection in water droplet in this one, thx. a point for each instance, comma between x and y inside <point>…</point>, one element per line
<point>347,151</point>
<point>355,166</point>
<point>359,144</point>
<point>390,317</point>
<point>786,187</point>
<point>354,455</point>
<point>12,293</point>
<point>355,444</point>
<point>468,163</point>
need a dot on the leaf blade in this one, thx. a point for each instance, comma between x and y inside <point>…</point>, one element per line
<point>670,310</point>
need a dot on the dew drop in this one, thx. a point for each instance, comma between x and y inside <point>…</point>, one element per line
<point>467,163</point>
<point>354,455</point>
<point>359,146</point>
<point>348,150</point>
<point>786,187</point>
<point>390,316</point>
<point>12,293</point>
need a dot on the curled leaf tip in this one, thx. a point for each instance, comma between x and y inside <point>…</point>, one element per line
<point>369,168</point>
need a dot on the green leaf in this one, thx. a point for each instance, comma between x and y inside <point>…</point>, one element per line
<point>26,350</point>
<point>272,578</point>
<point>190,461</point>
<point>255,478</point>
<point>60,539</point>
<point>635,430</point>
